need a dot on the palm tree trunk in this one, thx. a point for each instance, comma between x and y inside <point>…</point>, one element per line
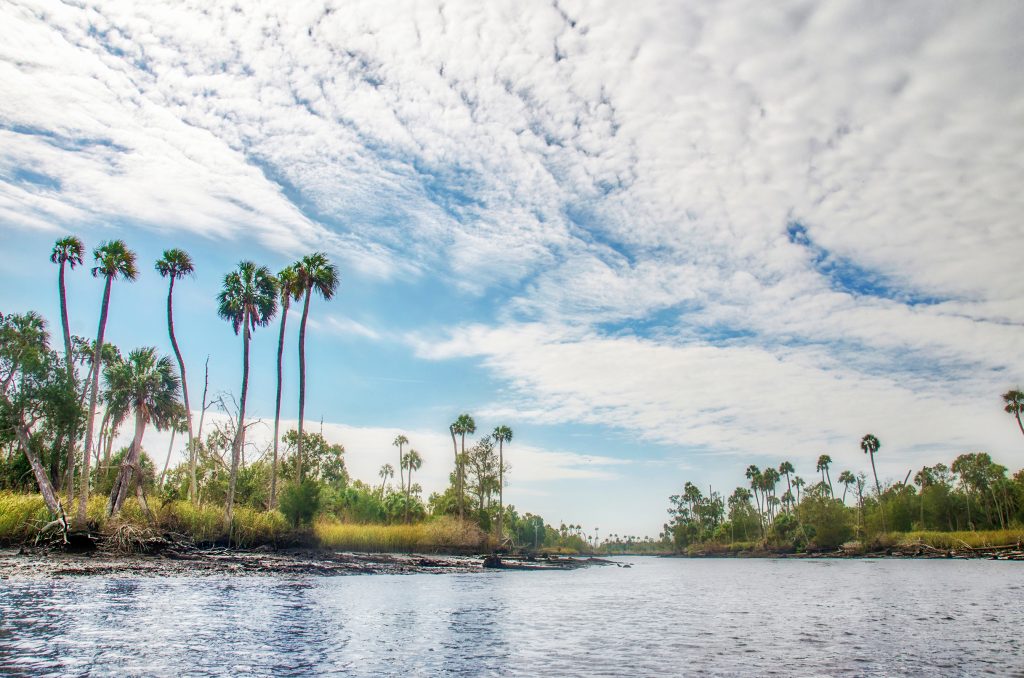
<point>455,446</point>
<point>462,475</point>
<point>236,447</point>
<point>829,477</point>
<point>69,440</point>
<point>401,473</point>
<point>128,467</point>
<point>408,487</point>
<point>83,495</point>
<point>302,379</point>
<point>193,452</point>
<point>501,487</point>
<point>160,483</point>
<point>181,368</point>
<point>1019,424</point>
<point>878,487</point>
<point>277,402</point>
<point>50,497</point>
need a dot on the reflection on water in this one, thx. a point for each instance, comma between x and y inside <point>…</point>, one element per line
<point>724,617</point>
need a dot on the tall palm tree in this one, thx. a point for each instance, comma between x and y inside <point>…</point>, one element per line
<point>315,273</point>
<point>386,471</point>
<point>786,468</point>
<point>412,461</point>
<point>288,287</point>
<point>68,250</point>
<point>399,442</point>
<point>462,425</point>
<point>146,384</point>
<point>1014,400</point>
<point>501,435</point>
<point>113,260</point>
<point>753,474</point>
<point>846,478</point>
<point>824,461</point>
<point>247,300</point>
<point>173,265</point>
<point>869,444</point>
<point>798,483</point>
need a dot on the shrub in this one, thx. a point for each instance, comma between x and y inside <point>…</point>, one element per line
<point>300,502</point>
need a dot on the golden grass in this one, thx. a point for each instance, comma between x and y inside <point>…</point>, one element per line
<point>957,540</point>
<point>21,516</point>
<point>441,534</point>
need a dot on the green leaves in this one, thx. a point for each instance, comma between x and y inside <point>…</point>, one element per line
<point>113,260</point>
<point>250,291</point>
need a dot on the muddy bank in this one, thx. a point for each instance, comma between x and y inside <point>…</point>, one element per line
<point>28,563</point>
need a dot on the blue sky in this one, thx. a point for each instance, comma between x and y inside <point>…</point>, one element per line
<point>660,243</point>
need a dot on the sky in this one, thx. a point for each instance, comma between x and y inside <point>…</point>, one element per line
<point>661,241</point>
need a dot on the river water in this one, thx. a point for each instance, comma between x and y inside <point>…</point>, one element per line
<point>658,617</point>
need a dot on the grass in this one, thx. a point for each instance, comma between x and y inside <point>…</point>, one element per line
<point>437,535</point>
<point>955,540</point>
<point>21,516</point>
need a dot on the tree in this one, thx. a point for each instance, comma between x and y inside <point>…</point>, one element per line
<point>177,424</point>
<point>869,444</point>
<point>145,384</point>
<point>288,286</point>
<point>463,424</point>
<point>386,471</point>
<point>786,468</point>
<point>1014,399</point>
<point>399,442</point>
<point>824,461</point>
<point>113,260</point>
<point>753,474</point>
<point>314,273</point>
<point>501,435</point>
<point>173,265</point>
<point>846,478</point>
<point>798,483</point>
<point>247,300</point>
<point>412,461</point>
<point>68,250</point>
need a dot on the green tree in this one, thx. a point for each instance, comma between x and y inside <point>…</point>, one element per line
<point>786,468</point>
<point>145,384</point>
<point>501,435</point>
<point>174,265</point>
<point>113,260</point>
<point>412,461</point>
<point>399,442</point>
<point>288,286</point>
<point>870,445</point>
<point>463,424</point>
<point>1014,404</point>
<point>824,461</point>
<point>846,478</point>
<point>386,471</point>
<point>248,299</point>
<point>314,273</point>
<point>68,251</point>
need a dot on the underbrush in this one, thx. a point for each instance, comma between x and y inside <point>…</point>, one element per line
<point>441,534</point>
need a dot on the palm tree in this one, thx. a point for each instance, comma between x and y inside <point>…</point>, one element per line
<point>146,384</point>
<point>753,474</point>
<point>798,483</point>
<point>386,471</point>
<point>287,281</point>
<point>399,442</point>
<point>176,423</point>
<point>462,425</point>
<point>870,445</point>
<point>501,435</point>
<point>786,468</point>
<point>113,260</point>
<point>314,272</point>
<point>248,299</point>
<point>824,461</point>
<point>68,250</point>
<point>846,478</point>
<point>175,264</point>
<point>412,462</point>
<point>1014,400</point>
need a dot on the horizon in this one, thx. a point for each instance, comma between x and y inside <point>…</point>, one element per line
<point>659,244</point>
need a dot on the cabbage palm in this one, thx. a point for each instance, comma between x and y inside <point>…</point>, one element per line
<point>247,300</point>
<point>1014,400</point>
<point>846,478</point>
<point>824,461</point>
<point>113,260</point>
<point>412,462</point>
<point>461,426</point>
<point>175,264</point>
<point>68,250</point>
<point>869,444</point>
<point>386,471</point>
<point>145,384</point>
<point>501,435</point>
<point>786,468</point>
<point>399,442</point>
<point>288,288</point>
<point>315,273</point>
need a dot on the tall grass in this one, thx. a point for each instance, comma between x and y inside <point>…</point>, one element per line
<point>442,534</point>
<point>956,540</point>
<point>21,516</point>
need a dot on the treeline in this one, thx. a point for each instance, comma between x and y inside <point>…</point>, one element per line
<point>61,410</point>
<point>779,508</point>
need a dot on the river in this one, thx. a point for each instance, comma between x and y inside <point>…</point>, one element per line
<point>658,617</point>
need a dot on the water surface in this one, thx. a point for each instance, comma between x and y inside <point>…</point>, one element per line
<point>661,616</point>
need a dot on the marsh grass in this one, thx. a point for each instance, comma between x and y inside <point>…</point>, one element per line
<point>21,516</point>
<point>955,540</point>
<point>443,534</point>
